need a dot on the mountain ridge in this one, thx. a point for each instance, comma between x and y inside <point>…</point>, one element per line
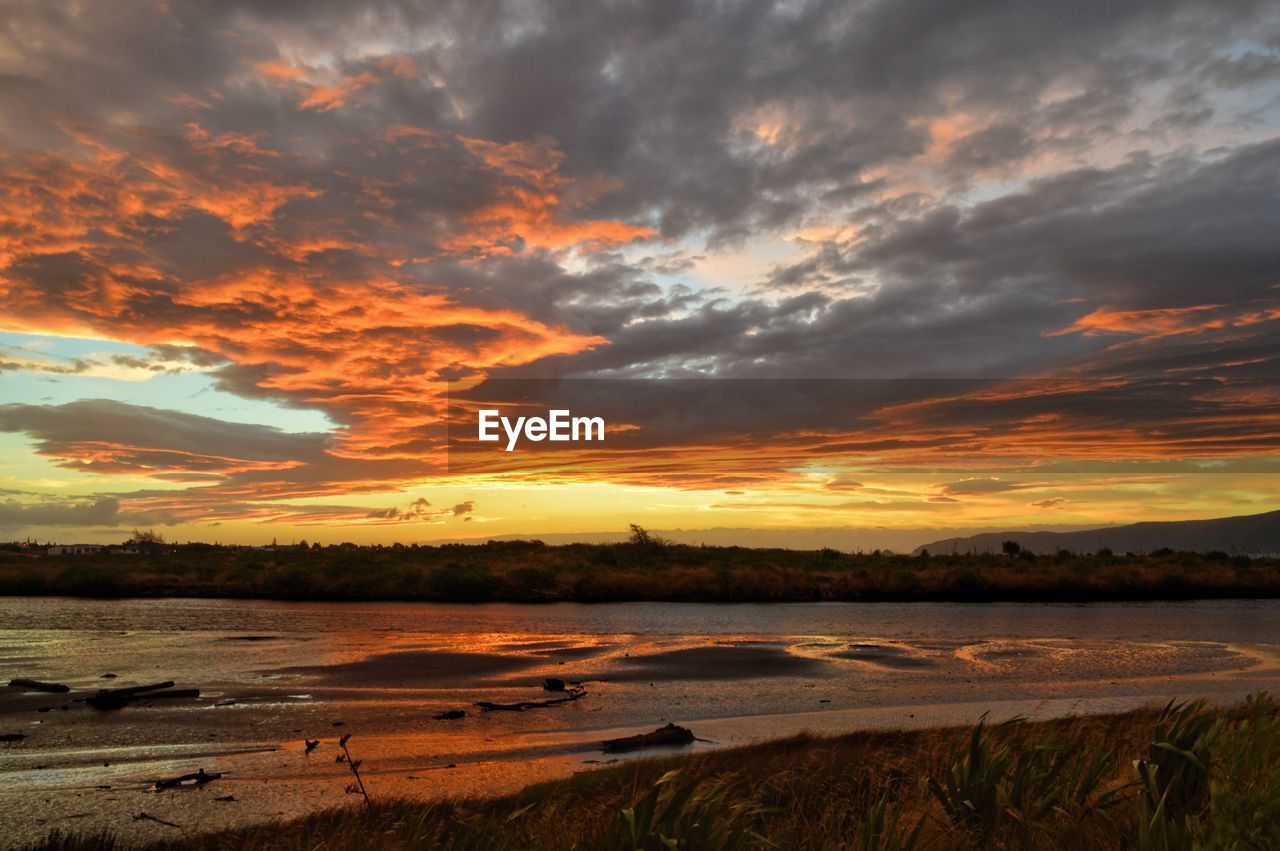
<point>1246,534</point>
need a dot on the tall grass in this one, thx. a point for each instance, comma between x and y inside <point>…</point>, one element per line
<point>1021,782</point>
<point>1212,783</point>
<point>678,813</point>
<point>885,828</point>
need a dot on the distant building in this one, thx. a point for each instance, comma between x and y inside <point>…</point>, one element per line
<point>74,549</point>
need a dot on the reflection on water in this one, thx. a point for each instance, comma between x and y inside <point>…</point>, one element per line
<point>273,673</point>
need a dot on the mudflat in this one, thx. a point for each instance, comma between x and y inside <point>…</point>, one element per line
<point>273,674</point>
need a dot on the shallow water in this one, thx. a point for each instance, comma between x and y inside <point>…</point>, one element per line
<point>272,673</point>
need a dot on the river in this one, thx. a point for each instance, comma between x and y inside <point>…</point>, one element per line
<point>272,673</point>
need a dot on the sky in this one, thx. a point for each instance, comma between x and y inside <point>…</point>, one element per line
<point>247,248</point>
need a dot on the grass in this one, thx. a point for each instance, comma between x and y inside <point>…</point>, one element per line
<point>1189,777</point>
<point>528,571</point>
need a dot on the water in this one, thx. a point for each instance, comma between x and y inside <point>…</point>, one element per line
<point>273,673</point>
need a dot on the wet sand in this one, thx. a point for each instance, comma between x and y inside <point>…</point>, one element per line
<point>415,668</point>
<point>714,662</point>
<point>265,689</point>
<point>886,656</point>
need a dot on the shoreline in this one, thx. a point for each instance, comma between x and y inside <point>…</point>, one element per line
<point>806,771</point>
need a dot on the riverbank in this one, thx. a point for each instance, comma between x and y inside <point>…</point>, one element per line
<point>529,571</point>
<point>272,674</point>
<point>1140,779</point>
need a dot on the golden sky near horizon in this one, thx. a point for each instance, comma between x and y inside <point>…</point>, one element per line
<point>246,248</point>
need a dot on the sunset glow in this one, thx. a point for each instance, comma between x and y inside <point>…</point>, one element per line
<point>245,250</point>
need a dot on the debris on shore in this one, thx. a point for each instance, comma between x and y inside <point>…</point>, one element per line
<point>118,698</point>
<point>570,696</point>
<point>672,735</point>
<point>12,737</point>
<point>39,685</point>
<point>198,778</point>
<point>451,715</point>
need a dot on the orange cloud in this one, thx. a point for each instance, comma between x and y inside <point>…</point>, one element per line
<point>1017,424</point>
<point>1166,322</point>
<point>281,71</point>
<point>329,97</point>
<point>533,210</point>
<point>78,237</point>
<point>944,132</point>
<point>326,91</point>
<point>303,290</point>
<point>51,205</point>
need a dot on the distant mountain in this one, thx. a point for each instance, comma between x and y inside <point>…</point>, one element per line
<point>1251,534</point>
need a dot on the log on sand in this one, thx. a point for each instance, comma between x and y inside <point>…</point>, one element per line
<point>521,706</point>
<point>672,735</point>
<point>198,778</point>
<point>39,685</point>
<point>117,698</point>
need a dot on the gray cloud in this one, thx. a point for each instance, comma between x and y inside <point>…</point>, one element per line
<point>102,511</point>
<point>666,101</point>
<point>663,97</point>
<point>110,436</point>
<point>975,487</point>
<point>995,288</point>
<point>229,460</point>
<point>998,189</point>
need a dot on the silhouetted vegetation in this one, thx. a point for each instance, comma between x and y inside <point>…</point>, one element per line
<point>643,568</point>
<point>1187,777</point>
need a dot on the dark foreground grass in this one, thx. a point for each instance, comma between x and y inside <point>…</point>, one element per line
<point>1185,778</point>
<point>528,571</point>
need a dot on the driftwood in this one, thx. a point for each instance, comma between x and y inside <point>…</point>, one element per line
<point>569,697</point>
<point>451,715</point>
<point>169,694</point>
<point>37,685</point>
<point>117,698</point>
<point>672,735</point>
<point>149,817</point>
<point>12,737</point>
<point>198,778</point>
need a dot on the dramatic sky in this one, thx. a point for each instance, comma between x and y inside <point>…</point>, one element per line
<point>244,247</point>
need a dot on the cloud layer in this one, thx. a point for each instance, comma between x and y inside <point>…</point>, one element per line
<point>342,206</point>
